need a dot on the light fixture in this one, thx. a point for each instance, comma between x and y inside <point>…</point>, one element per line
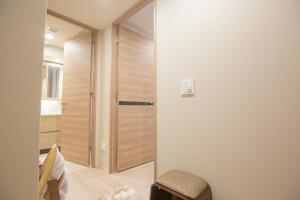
<point>48,36</point>
<point>57,60</point>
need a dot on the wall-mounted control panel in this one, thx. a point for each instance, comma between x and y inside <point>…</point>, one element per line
<point>187,87</point>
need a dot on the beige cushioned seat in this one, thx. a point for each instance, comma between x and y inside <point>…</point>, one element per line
<point>183,183</point>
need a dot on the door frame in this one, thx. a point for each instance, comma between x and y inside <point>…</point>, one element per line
<point>114,83</point>
<point>92,132</point>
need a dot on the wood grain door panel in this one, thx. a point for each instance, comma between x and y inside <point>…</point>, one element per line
<point>75,120</point>
<point>136,71</point>
<point>135,136</point>
<point>135,123</point>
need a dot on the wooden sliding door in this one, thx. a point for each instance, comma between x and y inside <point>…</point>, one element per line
<point>135,110</point>
<point>76,116</point>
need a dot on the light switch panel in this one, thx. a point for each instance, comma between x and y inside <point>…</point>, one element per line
<point>187,87</point>
<point>103,146</point>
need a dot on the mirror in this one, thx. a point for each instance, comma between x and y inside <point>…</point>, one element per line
<point>52,81</point>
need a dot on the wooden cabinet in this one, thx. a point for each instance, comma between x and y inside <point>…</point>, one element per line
<point>49,131</point>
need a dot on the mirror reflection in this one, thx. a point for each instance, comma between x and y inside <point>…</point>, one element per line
<point>52,81</point>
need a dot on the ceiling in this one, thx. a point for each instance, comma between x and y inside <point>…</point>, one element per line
<point>65,30</point>
<point>144,19</point>
<point>95,13</point>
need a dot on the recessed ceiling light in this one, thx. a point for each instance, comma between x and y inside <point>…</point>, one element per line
<point>49,36</point>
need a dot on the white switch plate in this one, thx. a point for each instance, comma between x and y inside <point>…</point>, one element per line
<point>103,146</point>
<point>187,87</point>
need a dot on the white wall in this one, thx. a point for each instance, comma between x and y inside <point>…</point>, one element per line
<point>53,53</point>
<point>21,51</point>
<point>103,89</point>
<point>241,130</point>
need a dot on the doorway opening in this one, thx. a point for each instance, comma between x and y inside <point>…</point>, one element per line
<point>67,101</point>
<point>133,178</point>
<point>133,112</point>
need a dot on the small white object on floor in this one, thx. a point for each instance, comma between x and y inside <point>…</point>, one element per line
<point>124,193</point>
